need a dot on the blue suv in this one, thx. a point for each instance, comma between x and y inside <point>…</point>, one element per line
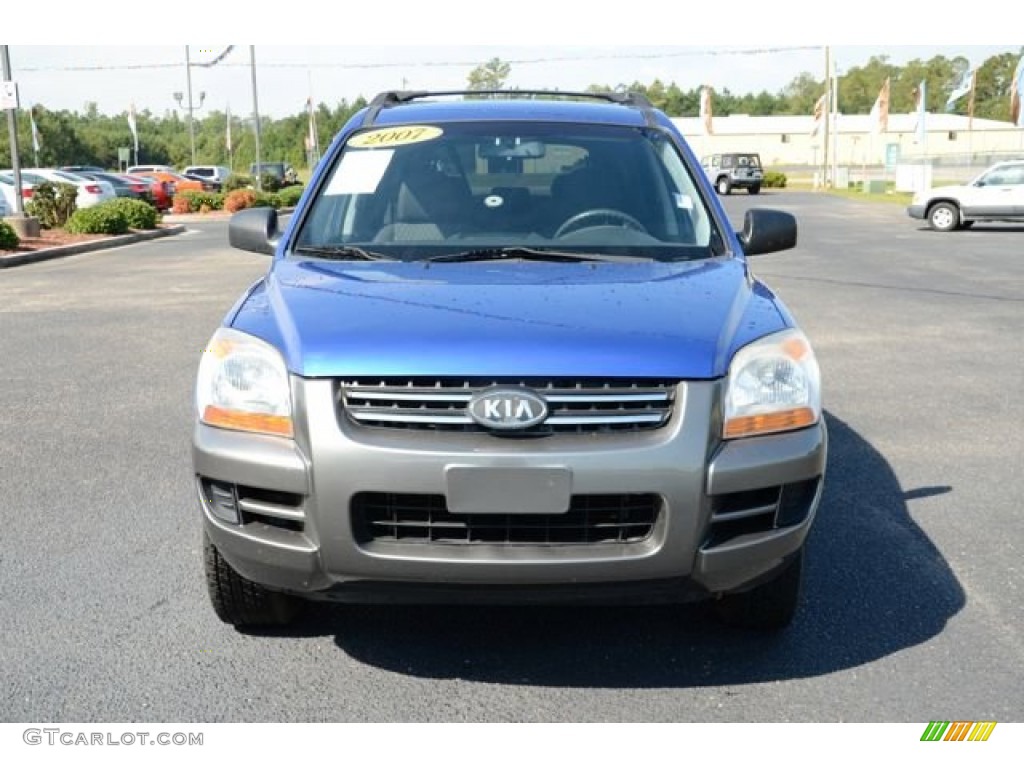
<point>508,350</point>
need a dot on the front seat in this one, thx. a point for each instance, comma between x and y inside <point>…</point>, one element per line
<point>430,205</point>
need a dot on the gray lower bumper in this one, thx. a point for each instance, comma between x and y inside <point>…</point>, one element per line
<point>916,211</point>
<point>331,460</point>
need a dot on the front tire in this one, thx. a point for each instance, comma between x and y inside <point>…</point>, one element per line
<point>944,217</point>
<point>241,602</point>
<point>754,189</point>
<point>770,606</point>
<point>723,186</point>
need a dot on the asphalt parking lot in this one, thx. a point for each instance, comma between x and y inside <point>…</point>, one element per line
<point>914,604</point>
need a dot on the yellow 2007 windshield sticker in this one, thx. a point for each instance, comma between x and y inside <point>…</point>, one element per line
<point>395,137</point>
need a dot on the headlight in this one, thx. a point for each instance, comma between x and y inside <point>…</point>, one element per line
<point>774,385</point>
<point>243,384</point>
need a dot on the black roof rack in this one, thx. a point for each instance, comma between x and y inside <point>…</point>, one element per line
<point>393,98</point>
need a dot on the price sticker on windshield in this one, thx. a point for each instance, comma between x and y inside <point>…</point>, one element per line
<point>395,137</point>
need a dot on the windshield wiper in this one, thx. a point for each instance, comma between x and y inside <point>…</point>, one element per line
<point>530,254</point>
<point>342,253</point>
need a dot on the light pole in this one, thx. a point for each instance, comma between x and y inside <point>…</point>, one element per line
<point>178,96</point>
<point>256,117</point>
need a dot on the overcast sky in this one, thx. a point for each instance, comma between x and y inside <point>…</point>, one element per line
<point>354,47</point>
<point>60,77</point>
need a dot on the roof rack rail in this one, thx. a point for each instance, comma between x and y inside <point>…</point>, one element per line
<point>392,98</point>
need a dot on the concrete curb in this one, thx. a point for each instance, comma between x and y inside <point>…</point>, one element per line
<point>45,254</point>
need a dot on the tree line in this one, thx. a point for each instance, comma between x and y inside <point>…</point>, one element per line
<point>91,138</point>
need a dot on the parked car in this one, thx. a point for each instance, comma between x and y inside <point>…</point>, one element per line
<point>7,192</point>
<point>79,168</point>
<point>177,182</point>
<point>90,192</point>
<point>995,195</point>
<point>215,175</point>
<point>162,192</point>
<point>136,189</point>
<point>134,170</point>
<point>508,350</point>
<point>734,170</point>
<point>285,175</point>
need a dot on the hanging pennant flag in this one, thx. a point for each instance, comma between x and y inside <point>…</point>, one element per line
<point>880,111</point>
<point>1017,95</point>
<point>36,140</point>
<point>819,113</point>
<point>133,128</point>
<point>705,110</point>
<point>965,86</point>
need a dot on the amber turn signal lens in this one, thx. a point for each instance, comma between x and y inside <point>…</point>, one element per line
<point>248,422</point>
<point>747,426</point>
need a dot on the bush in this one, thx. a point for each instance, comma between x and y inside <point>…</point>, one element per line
<point>138,214</point>
<point>181,204</point>
<point>194,201</point>
<point>774,180</point>
<point>9,239</point>
<point>270,182</point>
<point>264,200</point>
<point>289,196</point>
<point>53,204</point>
<point>237,181</point>
<point>101,219</point>
<point>239,199</point>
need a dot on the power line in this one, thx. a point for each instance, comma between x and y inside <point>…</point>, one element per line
<point>407,64</point>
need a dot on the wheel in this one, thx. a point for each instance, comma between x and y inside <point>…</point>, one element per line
<point>756,189</point>
<point>574,222</point>
<point>241,602</point>
<point>944,217</point>
<point>770,606</point>
<point>723,186</point>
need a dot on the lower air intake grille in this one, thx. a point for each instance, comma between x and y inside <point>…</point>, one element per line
<point>423,519</point>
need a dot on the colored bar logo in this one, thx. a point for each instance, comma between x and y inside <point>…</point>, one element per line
<point>958,731</point>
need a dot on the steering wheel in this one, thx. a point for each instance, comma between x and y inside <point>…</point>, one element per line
<point>574,222</point>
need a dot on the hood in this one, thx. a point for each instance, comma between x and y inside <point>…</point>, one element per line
<point>649,319</point>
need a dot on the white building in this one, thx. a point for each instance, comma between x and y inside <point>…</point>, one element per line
<point>787,141</point>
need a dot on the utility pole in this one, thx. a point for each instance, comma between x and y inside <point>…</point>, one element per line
<point>256,116</point>
<point>828,111</point>
<point>12,128</point>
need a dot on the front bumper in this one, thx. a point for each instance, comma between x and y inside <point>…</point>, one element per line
<point>917,211</point>
<point>295,530</point>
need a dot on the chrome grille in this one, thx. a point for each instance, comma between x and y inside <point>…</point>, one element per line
<point>575,406</point>
<point>425,519</point>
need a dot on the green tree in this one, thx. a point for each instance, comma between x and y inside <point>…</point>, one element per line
<point>489,76</point>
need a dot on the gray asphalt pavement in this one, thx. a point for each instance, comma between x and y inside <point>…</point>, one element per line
<point>913,607</point>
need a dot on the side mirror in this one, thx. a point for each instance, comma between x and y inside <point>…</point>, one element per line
<point>767,231</point>
<point>254,229</point>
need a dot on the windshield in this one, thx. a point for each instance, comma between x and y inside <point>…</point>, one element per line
<point>418,192</point>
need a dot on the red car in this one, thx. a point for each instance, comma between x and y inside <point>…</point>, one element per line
<point>162,192</point>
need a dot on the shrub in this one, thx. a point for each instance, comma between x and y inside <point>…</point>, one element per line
<point>9,239</point>
<point>264,200</point>
<point>98,220</point>
<point>181,204</point>
<point>289,196</point>
<point>270,182</point>
<point>237,181</point>
<point>53,204</point>
<point>239,199</point>
<point>774,179</point>
<point>138,214</point>
<point>197,200</point>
